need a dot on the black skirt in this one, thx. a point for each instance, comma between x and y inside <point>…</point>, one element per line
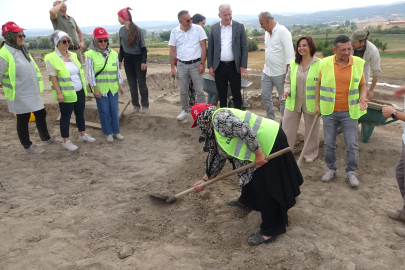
<point>273,189</point>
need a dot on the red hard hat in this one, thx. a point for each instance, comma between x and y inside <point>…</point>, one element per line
<point>10,27</point>
<point>196,110</point>
<point>100,32</point>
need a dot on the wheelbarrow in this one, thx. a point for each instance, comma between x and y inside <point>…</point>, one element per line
<point>373,118</point>
<point>210,87</point>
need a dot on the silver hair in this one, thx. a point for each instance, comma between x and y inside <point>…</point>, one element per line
<point>55,33</point>
<point>266,15</point>
<point>181,13</point>
<point>224,7</point>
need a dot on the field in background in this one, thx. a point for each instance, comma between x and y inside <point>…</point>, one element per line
<point>384,25</point>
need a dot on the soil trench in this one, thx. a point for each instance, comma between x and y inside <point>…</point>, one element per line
<point>64,210</point>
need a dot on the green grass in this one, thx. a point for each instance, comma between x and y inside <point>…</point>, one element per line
<point>157,45</point>
<point>40,51</point>
<point>158,56</point>
<point>396,55</point>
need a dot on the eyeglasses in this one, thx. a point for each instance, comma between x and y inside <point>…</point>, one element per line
<point>189,20</point>
<point>21,36</point>
<point>65,41</point>
<point>103,40</point>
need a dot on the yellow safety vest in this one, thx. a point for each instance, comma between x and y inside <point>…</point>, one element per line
<point>265,129</point>
<point>312,78</point>
<point>64,79</point>
<point>9,77</point>
<point>107,80</point>
<point>328,87</point>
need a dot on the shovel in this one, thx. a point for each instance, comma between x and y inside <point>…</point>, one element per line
<point>306,143</point>
<point>210,182</point>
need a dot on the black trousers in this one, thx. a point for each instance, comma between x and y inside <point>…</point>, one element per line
<point>255,196</point>
<point>66,110</point>
<point>23,131</point>
<point>227,72</point>
<point>136,76</point>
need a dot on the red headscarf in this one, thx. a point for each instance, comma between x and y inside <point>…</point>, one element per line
<point>124,13</point>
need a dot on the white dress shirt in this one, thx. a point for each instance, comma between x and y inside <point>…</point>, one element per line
<point>279,51</point>
<point>187,43</point>
<point>226,43</point>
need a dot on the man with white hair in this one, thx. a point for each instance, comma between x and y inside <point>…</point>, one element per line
<point>279,53</point>
<point>61,21</point>
<point>227,56</point>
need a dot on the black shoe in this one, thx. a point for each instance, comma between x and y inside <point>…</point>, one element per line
<point>258,239</point>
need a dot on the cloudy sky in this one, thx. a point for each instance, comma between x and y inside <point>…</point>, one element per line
<point>35,13</point>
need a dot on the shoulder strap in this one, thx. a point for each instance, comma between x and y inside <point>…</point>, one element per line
<point>101,70</point>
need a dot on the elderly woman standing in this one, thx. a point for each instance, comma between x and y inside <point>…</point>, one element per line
<point>243,137</point>
<point>22,83</point>
<point>103,62</point>
<point>133,52</point>
<point>68,87</point>
<point>299,89</point>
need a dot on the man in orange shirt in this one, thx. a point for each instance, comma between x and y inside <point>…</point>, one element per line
<point>341,101</point>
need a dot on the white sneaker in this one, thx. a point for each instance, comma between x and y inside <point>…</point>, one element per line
<point>352,179</point>
<point>135,110</point>
<point>119,137</point>
<point>69,146</point>
<point>309,160</point>
<point>86,138</point>
<point>183,115</point>
<point>34,149</point>
<point>110,138</point>
<point>50,141</point>
<point>145,110</point>
<point>328,176</point>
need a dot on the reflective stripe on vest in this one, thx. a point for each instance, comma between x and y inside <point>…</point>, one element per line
<point>9,77</point>
<point>311,81</point>
<point>328,87</point>
<point>265,130</point>
<point>63,77</point>
<point>107,80</point>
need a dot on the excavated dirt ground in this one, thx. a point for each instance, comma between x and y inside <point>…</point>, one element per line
<point>63,210</point>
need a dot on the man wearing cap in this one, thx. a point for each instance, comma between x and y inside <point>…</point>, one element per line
<point>340,95</point>
<point>369,52</point>
<point>188,44</point>
<point>61,21</point>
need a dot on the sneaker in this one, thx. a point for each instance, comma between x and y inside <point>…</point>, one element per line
<point>352,179</point>
<point>50,141</point>
<point>145,110</point>
<point>86,138</point>
<point>69,146</point>
<point>110,138</point>
<point>183,115</point>
<point>396,214</point>
<point>135,110</point>
<point>309,160</point>
<point>119,137</point>
<point>328,176</point>
<point>34,149</point>
<point>400,231</point>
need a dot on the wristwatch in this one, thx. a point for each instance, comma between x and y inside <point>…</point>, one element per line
<point>202,64</point>
<point>394,115</point>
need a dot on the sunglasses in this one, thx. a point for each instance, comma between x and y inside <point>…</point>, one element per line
<point>65,41</point>
<point>103,40</point>
<point>189,20</point>
<point>21,36</point>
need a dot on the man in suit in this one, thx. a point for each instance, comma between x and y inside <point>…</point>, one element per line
<point>227,56</point>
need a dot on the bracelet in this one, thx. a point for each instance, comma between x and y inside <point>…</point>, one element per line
<point>204,179</point>
<point>202,64</point>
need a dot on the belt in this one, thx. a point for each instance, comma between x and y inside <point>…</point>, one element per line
<point>228,62</point>
<point>74,48</point>
<point>191,61</point>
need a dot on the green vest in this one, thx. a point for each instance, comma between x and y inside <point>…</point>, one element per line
<point>265,129</point>
<point>9,77</point>
<point>63,77</point>
<point>328,87</point>
<point>312,78</point>
<point>107,79</point>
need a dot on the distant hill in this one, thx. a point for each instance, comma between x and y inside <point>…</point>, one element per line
<point>360,14</point>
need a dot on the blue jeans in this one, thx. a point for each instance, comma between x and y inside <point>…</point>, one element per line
<point>108,113</point>
<point>350,129</point>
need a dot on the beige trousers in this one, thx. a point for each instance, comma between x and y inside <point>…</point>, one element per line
<point>291,122</point>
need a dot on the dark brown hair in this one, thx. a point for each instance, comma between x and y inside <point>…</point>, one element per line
<point>312,48</point>
<point>133,31</point>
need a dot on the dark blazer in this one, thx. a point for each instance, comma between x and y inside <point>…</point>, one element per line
<point>239,45</point>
